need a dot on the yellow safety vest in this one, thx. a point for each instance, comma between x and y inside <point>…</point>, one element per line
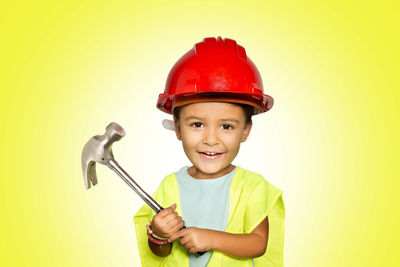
<point>252,199</point>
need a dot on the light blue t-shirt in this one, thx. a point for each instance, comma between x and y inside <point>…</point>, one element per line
<point>204,204</point>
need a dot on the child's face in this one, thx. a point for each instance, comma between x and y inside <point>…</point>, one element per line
<point>211,134</point>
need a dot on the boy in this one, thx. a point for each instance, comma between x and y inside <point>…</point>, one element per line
<point>232,214</point>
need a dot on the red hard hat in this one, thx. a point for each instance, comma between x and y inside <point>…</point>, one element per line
<point>215,69</point>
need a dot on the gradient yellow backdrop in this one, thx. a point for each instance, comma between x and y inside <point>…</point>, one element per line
<point>331,142</point>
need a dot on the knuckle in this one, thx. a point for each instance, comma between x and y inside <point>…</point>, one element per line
<point>161,213</point>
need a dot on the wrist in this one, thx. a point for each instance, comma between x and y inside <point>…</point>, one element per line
<point>214,239</point>
<point>216,243</point>
<point>156,231</point>
<point>155,238</point>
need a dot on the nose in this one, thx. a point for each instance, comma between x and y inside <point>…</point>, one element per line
<point>210,137</point>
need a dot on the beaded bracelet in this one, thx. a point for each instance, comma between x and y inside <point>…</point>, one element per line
<point>148,227</point>
<point>154,238</point>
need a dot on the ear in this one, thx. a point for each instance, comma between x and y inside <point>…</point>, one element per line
<point>246,131</point>
<point>177,130</point>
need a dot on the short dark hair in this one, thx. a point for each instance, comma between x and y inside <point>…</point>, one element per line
<point>247,110</point>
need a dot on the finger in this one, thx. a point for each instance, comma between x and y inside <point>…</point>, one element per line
<point>166,218</point>
<point>177,235</point>
<point>191,247</point>
<point>171,219</point>
<point>186,241</point>
<point>167,211</point>
<point>177,227</point>
<point>173,229</point>
<point>193,250</point>
<point>175,221</point>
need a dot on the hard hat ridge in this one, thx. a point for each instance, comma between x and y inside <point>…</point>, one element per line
<point>217,45</point>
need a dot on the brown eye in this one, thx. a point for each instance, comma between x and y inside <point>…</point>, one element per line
<point>227,127</point>
<point>197,124</point>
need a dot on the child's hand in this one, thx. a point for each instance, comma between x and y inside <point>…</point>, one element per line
<point>194,239</point>
<point>167,222</point>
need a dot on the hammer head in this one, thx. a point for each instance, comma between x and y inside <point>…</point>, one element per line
<point>98,149</point>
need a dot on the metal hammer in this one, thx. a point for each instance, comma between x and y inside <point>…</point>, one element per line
<point>98,149</point>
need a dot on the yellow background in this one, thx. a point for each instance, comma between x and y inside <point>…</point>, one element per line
<point>331,141</point>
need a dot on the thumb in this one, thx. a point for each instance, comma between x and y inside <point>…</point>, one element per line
<point>167,211</point>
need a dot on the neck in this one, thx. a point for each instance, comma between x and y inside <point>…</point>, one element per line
<point>198,174</point>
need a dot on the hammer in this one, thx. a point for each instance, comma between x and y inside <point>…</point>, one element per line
<point>98,149</point>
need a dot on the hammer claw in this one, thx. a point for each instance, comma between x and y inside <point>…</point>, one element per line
<point>91,175</point>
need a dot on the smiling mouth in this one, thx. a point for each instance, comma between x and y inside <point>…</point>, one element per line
<point>210,153</point>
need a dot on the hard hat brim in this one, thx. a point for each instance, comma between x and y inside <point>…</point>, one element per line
<point>261,102</point>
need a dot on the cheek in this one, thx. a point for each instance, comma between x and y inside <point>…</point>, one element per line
<point>191,139</point>
<point>233,142</point>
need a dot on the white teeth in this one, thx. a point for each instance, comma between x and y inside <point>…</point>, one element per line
<point>210,153</point>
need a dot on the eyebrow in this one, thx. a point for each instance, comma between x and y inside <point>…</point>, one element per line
<point>199,118</point>
<point>231,120</point>
<point>193,118</point>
